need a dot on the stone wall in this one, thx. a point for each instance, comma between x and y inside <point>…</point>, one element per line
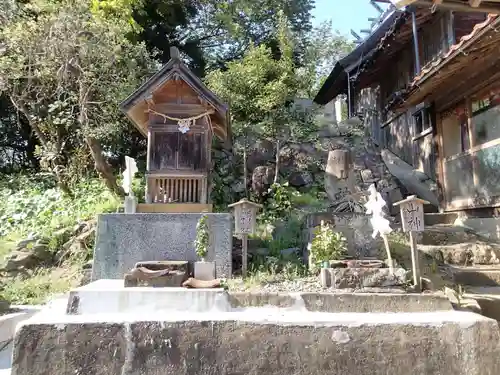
<point>124,239</point>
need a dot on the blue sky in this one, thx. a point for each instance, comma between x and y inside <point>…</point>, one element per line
<point>345,14</point>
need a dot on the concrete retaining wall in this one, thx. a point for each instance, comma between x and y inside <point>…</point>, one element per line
<point>125,239</point>
<point>451,343</point>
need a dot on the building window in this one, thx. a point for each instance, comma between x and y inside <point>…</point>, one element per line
<point>422,119</point>
<point>455,129</point>
<point>486,117</point>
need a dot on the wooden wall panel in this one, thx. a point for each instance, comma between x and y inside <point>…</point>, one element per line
<point>463,23</point>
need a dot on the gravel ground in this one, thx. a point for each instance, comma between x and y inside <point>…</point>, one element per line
<point>302,284</point>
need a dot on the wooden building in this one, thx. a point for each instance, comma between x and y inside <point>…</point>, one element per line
<point>484,6</point>
<point>179,116</point>
<point>429,89</point>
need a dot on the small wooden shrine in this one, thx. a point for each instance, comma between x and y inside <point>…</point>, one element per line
<point>179,116</point>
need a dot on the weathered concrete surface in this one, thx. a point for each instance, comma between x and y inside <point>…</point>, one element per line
<point>8,322</point>
<point>368,302</point>
<point>125,239</point>
<point>364,277</point>
<point>109,296</point>
<point>448,343</point>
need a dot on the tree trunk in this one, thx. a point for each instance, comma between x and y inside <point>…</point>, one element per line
<point>102,166</point>
<point>55,166</point>
<point>277,171</point>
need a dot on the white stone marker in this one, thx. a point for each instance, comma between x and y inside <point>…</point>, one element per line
<point>412,218</point>
<point>128,174</point>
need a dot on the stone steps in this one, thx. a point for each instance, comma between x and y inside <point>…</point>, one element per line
<point>440,218</point>
<point>488,299</point>
<point>445,234</point>
<point>110,297</point>
<point>476,276</point>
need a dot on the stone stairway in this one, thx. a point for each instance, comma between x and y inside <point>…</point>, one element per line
<point>488,299</point>
<point>472,261</point>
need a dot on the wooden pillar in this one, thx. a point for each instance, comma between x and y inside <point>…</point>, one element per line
<point>472,141</point>
<point>417,280</point>
<point>415,41</point>
<point>204,190</point>
<point>244,254</point>
<point>148,198</point>
<point>349,110</point>
<point>440,155</point>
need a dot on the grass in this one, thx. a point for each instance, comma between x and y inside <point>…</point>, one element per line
<point>280,271</point>
<point>33,205</point>
<point>6,247</point>
<point>38,287</point>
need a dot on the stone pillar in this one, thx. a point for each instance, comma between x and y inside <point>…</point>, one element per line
<point>337,111</point>
<point>130,205</point>
<point>339,176</point>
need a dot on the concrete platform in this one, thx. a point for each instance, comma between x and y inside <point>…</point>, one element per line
<point>8,325</point>
<point>110,296</point>
<point>258,341</point>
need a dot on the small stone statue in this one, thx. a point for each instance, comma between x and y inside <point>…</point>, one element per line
<point>380,224</point>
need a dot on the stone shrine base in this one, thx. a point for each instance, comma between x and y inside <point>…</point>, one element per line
<point>122,240</point>
<point>446,343</point>
<point>107,329</point>
<point>359,278</point>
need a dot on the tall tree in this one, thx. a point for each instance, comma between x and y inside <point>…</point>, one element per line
<point>324,47</point>
<point>66,72</point>
<point>17,142</point>
<point>213,32</point>
<point>261,90</point>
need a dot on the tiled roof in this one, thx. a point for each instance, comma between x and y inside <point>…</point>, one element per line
<point>366,51</point>
<point>395,26</point>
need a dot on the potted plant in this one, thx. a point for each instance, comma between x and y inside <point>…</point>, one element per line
<point>203,270</point>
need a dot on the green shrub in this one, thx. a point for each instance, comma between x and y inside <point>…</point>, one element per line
<point>34,205</point>
<point>202,240</point>
<point>327,245</point>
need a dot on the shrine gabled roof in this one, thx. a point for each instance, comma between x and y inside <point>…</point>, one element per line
<point>173,66</point>
<point>135,104</point>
